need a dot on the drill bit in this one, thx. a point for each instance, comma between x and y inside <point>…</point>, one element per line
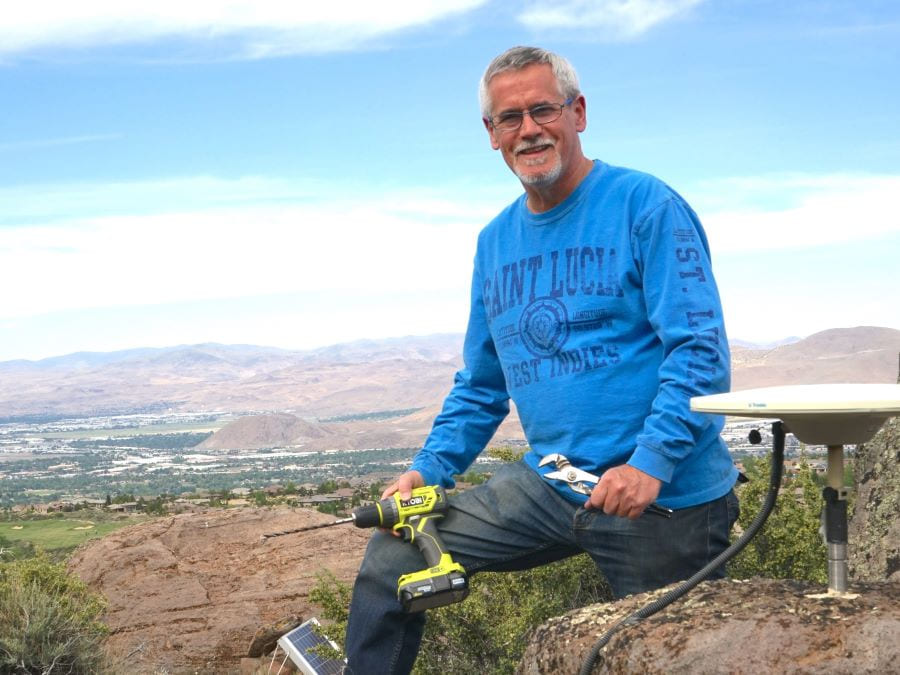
<point>308,527</point>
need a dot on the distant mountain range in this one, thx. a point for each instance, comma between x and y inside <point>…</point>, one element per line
<point>302,387</point>
<point>355,377</point>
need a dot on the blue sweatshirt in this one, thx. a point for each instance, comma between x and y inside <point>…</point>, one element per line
<point>601,319</point>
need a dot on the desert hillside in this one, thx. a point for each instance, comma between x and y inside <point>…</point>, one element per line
<point>360,377</point>
<point>865,354</point>
<point>283,430</point>
<point>353,378</point>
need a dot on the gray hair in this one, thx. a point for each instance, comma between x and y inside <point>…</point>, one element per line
<point>519,57</point>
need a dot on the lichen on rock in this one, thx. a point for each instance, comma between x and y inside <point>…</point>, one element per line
<point>874,530</point>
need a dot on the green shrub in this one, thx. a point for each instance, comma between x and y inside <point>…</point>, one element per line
<point>49,621</point>
<point>333,596</point>
<point>486,632</point>
<point>789,545</point>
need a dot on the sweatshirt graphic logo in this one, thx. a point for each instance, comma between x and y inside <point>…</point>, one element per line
<point>544,326</point>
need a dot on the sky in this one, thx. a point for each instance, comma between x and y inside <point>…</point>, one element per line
<point>298,174</point>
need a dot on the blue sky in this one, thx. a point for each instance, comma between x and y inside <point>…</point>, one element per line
<point>299,174</point>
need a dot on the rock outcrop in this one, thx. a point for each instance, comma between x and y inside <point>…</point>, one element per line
<point>188,593</point>
<point>874,530</point>
<point>758,627</point>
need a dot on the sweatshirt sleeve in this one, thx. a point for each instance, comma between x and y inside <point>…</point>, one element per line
<point>473,409</point>
<point>685,312</point>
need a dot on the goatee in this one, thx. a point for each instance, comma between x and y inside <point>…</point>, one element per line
<point>544,179</point>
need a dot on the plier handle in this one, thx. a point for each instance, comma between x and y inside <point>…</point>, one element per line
<point>583,482</point>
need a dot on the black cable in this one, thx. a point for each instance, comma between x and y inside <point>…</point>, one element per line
<point>726,555</point>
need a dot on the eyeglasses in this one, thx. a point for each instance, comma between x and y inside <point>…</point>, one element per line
<point>541,114</point>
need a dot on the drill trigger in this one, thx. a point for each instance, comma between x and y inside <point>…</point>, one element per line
<point>406,531</point>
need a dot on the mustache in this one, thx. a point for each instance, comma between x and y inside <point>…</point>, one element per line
<point>531,145</point>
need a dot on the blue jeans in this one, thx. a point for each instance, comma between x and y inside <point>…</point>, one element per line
<point>516,521</point>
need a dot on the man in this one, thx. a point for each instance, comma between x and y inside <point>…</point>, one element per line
<point>594,308</point>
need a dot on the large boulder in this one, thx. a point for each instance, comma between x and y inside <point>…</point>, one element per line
<point>758,627</point>
<point>189,593</point>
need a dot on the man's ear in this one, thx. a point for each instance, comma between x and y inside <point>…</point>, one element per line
<point>579,107</point>
<point>487,125</point>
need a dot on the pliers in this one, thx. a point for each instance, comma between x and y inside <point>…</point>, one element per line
<point>583,482</point>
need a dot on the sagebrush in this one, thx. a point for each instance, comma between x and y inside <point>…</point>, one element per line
<point>49,621</point>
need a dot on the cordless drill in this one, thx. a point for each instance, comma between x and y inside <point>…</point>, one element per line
<point>444,581</point>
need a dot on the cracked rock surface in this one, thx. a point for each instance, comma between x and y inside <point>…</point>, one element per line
<point>187,593</point>
<point>758,626</point>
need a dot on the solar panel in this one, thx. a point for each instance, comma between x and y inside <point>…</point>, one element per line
<point>298,643</point>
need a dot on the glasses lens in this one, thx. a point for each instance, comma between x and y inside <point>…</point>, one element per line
<point>508,121</point>
<point>543,114</point>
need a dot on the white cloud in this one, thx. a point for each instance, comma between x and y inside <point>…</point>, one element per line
<point>795,254</point>
<point>57,202</point>
<point>394,262</point>
<point>258,27</point>
<point>795,211</point>
<point>614,19</point>
<point>20,204</point>
<point>56,142</point>
<point>391,244</point>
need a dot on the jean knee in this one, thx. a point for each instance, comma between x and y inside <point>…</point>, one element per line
<point>386,556</point>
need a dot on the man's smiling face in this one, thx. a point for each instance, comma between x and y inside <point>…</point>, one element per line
<point>538,154</point>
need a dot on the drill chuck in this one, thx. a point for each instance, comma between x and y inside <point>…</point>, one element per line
<point>368,516</point>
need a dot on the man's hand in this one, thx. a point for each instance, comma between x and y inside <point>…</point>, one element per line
<point>624,491</point>
<point>404,485</point>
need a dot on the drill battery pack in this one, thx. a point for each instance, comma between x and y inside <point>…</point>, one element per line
<point>433,587</point>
